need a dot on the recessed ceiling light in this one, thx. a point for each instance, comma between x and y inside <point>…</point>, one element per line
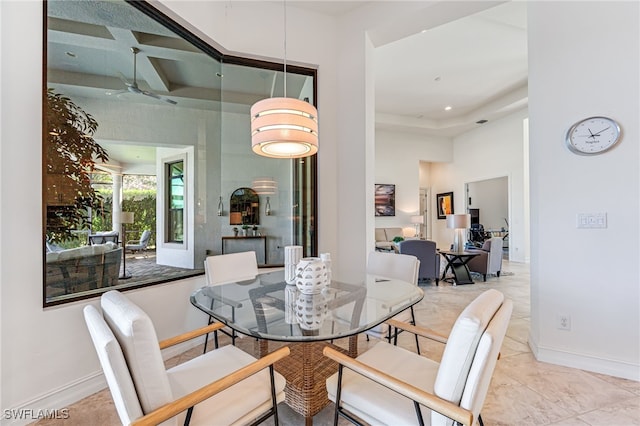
<point>481,121</point>
<point>447,108</point>
<point>70,54</point>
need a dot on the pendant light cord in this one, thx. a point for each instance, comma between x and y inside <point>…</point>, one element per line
<point>284,3</point>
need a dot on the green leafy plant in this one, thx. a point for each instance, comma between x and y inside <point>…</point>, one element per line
<point>397,239</point>
<point>71,153</point>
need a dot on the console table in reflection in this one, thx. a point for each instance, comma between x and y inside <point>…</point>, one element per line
<point>241,244</point>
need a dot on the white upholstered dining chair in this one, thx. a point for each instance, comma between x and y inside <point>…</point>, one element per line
<point>395,266</point>
<point>200,391</point>
<point>393,386</point>
<point>228,268</point>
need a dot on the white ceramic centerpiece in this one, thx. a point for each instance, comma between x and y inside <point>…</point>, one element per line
<point>311,310</point>
<point>292,255</point>
<point>311,275</point>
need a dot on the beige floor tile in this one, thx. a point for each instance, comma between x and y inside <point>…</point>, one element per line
<point>568,388</point>
<point>621,413</point>
<point>511,403</point>
<point>630,385</point>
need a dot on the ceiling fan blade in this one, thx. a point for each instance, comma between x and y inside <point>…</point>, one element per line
<point>156,96</point>
<point>116,94</point>
<point>133,86</point>
<point>124,79</point>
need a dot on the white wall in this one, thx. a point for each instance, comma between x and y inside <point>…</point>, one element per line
<point>492,150</point>
<point>590,275</point>
<point>491,198</point>
<point>398,156</point>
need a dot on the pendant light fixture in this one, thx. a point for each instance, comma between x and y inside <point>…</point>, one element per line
<point>284,127</point>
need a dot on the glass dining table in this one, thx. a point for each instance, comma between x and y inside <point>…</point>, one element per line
<point>271,310</point>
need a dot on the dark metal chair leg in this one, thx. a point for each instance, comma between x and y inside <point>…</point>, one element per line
<point>273,395</point>
<point>187,419</point>
<point>418,413</point>
<point>413,322</point>
<point>336,413</point>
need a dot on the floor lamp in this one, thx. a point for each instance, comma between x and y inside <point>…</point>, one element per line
<point>460,223</point>
<point>125,218</point>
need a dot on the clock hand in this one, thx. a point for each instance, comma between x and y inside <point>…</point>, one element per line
<point>598,134</point>
<point>592,135</point>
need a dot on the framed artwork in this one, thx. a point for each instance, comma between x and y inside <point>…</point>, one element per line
<point>385,200</point>
<point>444,202</point>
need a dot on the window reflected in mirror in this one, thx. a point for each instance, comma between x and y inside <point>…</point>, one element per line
<point>175,202</point>
<point>126,89</point>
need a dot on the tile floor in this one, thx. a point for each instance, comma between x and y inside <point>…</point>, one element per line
<point>523,391</point>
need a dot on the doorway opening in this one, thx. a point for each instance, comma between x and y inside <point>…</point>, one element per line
<point>488,204</point>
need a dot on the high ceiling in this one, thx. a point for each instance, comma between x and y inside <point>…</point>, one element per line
<point>476,65</point>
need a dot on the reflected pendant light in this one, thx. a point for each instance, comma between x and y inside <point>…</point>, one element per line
<point>284,127</point>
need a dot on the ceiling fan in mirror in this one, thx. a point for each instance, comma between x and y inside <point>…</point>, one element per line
<point>132,86</point>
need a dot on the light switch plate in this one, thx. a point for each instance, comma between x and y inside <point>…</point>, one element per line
<point>591,220</point>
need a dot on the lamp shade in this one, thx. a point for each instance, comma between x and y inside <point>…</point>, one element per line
<point>126,217</point>
<point>284,128</point>
<point>458,221</point>
<point>264,185</point>
<point>417,219</point>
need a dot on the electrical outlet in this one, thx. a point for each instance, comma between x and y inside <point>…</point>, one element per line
<point>564,322</point>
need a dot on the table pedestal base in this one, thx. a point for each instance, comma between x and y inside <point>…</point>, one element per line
<point>306,370</point>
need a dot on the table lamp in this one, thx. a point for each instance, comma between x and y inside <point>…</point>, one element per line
<point>417,221</point>
<point>460,223</point>
<point>125,218</point>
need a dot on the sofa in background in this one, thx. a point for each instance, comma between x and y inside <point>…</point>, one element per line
<point>82,268</point>
<point>104,237</point>
<point>384,238</point>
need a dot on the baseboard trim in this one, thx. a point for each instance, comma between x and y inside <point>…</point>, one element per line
<point>616,368</point>
<point>57,399</point>
<point>64,396</point>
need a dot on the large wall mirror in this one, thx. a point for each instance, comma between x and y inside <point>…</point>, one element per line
<point>127,91</point>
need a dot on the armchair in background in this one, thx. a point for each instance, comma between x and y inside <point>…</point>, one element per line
<point>141,244</point>
<point>428,256</point>
<point>489,259</point>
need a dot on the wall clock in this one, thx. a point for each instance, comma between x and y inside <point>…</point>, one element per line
<point>593,135</point>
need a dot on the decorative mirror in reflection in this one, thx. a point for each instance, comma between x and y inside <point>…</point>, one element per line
<point>244,207</point>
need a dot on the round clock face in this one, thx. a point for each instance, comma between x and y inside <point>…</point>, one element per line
<point>593,135</point>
